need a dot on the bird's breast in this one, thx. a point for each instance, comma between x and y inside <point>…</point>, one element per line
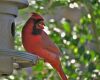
<point>30,41</point>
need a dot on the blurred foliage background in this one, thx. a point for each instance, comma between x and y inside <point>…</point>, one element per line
<point>79,40</point>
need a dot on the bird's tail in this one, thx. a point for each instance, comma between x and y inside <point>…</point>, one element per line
<point>59,69</point>
<point>61,73</point>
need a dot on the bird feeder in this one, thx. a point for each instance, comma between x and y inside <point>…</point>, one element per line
<point>9,58</point>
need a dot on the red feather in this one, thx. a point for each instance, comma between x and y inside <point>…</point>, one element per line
<point>41,45</point>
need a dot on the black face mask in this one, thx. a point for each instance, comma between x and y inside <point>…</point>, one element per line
<point>36,31</point>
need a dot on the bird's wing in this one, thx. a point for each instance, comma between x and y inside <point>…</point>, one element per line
<point>49,44</point>
<point>47,55</point>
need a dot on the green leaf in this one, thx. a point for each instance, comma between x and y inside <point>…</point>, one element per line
<point>89,37</point>
<point>39,66</point>
<point>82,39</point>
<point>66,26</point>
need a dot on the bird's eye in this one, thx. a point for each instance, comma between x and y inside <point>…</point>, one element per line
<point>40,25</point>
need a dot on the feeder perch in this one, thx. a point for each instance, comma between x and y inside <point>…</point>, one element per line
<point>10,58</point>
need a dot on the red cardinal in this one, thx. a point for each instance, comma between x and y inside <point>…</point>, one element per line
<point>37,42</point>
